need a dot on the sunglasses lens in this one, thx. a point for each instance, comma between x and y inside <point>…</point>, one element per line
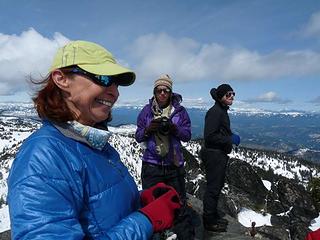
<point>229,94</point>
<point>104,80</point>
<point>101,80</point>
<point>164,90</point>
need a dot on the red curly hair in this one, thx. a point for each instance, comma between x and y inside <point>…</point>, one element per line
<point>49,102</point>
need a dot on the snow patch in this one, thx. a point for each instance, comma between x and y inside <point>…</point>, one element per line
<point>267,184</point>
<point>247,216</point>
<point>315,223</point>
<point>4,219</point>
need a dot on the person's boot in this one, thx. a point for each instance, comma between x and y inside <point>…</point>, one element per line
<point>222,221</point>
<point>219,218</point>
<point>215,227</point>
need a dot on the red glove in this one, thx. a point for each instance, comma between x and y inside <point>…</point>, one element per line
<point>313,235</point>
<point>150,194</point>
<point>161,211</point>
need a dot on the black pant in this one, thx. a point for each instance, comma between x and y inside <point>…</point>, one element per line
<point>215,164</point>
<point>152,174</point>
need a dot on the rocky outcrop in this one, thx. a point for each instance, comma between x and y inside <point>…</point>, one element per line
<point>288,202</point>
<point>5,235</point>
<point>291,206</point>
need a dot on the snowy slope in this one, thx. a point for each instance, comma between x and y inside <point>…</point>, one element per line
<point>15,130</point>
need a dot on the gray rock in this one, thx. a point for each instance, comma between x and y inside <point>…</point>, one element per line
<point>289,204</point>
<point>5,235</point>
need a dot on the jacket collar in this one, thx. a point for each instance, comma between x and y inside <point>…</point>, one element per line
<point>94,137</point>
<point>223,106</point>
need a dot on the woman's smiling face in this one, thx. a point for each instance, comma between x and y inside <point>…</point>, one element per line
<point>90,102</point>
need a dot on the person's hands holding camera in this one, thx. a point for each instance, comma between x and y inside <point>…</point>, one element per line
<point>167,126</point>
<point>161,210</point>
<point>173,128</point>
<point>235,139</point>
<point>152,128</point>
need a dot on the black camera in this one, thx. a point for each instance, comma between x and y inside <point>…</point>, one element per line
<point>164,126</point>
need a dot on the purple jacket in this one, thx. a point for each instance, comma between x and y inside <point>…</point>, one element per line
<point>180,118</point>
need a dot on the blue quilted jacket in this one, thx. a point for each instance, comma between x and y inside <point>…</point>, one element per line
<point>60,188</point>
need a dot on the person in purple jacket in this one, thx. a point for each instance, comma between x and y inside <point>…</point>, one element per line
<point>161,126</point>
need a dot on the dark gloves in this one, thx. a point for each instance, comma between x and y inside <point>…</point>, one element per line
<point>173,129</point>
<point>161,211</point>
<point>235,139</point>
<point>150,194</point>
<point>152,128</point>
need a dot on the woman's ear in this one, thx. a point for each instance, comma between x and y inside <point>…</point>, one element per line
<point>60,79</point>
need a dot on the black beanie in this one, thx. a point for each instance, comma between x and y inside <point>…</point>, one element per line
<point>222,90</point>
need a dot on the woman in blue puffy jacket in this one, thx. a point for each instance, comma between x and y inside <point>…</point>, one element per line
<point>67,181</point>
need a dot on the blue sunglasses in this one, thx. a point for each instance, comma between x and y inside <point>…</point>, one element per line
<point>102,80</point>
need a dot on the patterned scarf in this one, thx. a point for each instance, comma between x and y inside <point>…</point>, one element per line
<point>162,141</point>
<point>96,138</point>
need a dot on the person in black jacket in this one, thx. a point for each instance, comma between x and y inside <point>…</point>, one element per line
<point>218,140</point>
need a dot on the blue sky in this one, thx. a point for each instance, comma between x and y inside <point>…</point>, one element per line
<point>268,50</point>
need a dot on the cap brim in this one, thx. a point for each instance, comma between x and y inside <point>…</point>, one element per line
<point>123,76</point>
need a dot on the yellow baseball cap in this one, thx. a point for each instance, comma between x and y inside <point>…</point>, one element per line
<point>92,58</point>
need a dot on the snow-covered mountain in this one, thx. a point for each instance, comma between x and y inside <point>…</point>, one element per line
<point>289,131</point>
<point>13,130</point>
<point>270,170</point>
<point>26,108</point>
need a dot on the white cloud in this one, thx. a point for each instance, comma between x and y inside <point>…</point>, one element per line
<point>269,97</point>
<point>316,101</point>
<point>183,58</point>
<point>28,54</point>
<point>187,60</point>
<point>312,28</point>
<point>196,102</point>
